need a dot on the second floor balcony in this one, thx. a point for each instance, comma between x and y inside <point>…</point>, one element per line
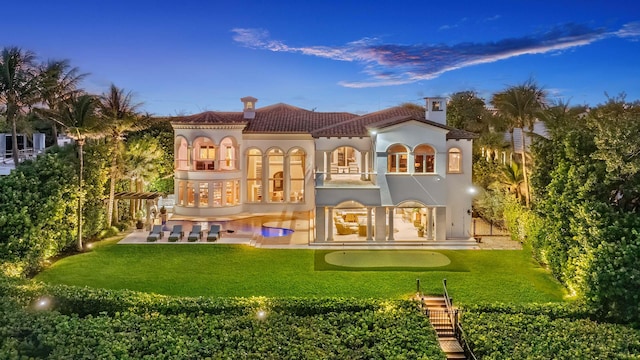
<point>345,179</point>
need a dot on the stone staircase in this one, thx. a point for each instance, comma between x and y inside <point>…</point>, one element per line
<point>436,309</point>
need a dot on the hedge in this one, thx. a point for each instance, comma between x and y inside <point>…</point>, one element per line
<point>546,331</point>
<point>130,325</point>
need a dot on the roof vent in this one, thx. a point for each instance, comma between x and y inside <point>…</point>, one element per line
<point>249,107</point>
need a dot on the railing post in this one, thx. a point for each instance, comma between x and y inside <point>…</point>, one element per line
<point>455,322</point>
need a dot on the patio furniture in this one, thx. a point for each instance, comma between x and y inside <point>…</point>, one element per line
<point>195,234</point>
<point>176,234</point>
<point>155,233</point>
<point>345,229</point>
<point>214,232</point>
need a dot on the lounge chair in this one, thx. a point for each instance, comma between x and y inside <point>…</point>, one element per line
<point>176,234</point>
<point>155,234</point>
<point>214,233</point>
<point>195,234</point>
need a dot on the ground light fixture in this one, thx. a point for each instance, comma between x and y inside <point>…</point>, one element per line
<point>261,314</point>
<point>42,303</point>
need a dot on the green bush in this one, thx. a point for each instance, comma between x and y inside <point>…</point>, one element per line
<point>88,323</point>
<point>553,331</point>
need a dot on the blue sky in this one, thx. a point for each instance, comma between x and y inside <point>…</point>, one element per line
<point>184,57</point>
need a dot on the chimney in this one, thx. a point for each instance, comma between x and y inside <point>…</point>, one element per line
<point>436,109</point>
<point>249,109</point>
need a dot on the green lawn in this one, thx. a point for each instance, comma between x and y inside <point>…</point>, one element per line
<point>235,270</point>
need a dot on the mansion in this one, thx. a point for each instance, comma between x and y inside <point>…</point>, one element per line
<point>354,174</point>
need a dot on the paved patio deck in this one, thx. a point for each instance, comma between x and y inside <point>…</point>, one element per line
<point>244,229</point>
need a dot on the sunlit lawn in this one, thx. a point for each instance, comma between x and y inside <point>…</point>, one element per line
<point>236,270</point>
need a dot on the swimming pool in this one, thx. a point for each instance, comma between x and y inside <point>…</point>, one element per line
<point>273,232</point>
<point>250,226</point>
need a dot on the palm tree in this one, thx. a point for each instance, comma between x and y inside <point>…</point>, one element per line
<point>79,115</point>
<point>511,178</point>
<point>520,105</point>
<point>59,84</point>
<point>143,158</point>
<point>19,87</point>
<point>120,115</point>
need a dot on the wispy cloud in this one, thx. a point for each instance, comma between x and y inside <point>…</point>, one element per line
<point>449,27</point>
<point>392,64</point>
<point>492,18</point>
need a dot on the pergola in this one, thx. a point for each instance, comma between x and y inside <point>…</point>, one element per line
<point>150,197</point>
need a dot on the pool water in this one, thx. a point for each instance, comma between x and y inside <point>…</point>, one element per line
<point>250,226</point>
<point>273,232</point>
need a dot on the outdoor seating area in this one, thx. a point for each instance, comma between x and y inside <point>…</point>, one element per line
<point>214,233</point>
<point>176,234</point>
<point>195,234</point>
<point>156,233</point>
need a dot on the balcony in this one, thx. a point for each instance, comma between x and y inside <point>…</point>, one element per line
<point>344,180</point>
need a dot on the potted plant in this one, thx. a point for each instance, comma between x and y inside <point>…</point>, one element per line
<point>420,229</point>
<point>139,222</point>
<point>416,217</point>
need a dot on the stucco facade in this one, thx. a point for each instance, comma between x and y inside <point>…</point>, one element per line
<point>355,174</point>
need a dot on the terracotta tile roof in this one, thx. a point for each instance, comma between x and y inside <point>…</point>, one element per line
<point>211,117</point>
<point>282,119</point>
<point>358,125</point>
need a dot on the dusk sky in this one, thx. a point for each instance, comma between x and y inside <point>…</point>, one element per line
<point>185,57</point>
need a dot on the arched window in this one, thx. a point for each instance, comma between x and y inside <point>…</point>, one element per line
<point>227,155</point>
<point>454,164</point>
<point>296,175</point>
<point>254,175</point>
<point>424,159</point>
<point>204,152</point>
<point>397,159</point>
<point>276,175</point>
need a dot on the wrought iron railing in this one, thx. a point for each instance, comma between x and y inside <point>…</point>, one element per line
<point>458,331</point>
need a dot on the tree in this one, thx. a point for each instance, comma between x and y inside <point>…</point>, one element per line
<point>465,110</point>
<point>617,126</point>
<point>120,115</point>
<point>511,179</point>
<point>59,84</point>
<point>144,157</point>
<point>19,87</point>
<point>520,106</point>
<point>79,113</point>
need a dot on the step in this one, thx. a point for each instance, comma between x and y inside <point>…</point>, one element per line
<point>450,345</point>
<point>454,356</point>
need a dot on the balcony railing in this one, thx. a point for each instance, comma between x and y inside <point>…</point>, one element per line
<point>208,165</point>
<point>345,179</point>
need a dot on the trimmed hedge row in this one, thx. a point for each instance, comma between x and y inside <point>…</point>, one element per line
<point>111,324</point>
<point>544,331</point>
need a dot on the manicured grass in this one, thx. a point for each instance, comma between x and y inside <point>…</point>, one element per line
<point>235,270</point>
<point>367,260</point>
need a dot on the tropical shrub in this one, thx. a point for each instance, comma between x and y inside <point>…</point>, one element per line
<point>546,331</point>
<point>73,322</point>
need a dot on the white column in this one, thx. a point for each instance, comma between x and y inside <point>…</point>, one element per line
<point>369,227</point>
<point>330,224</point>
<point>286,189</point>
<point>190,157</point>
<point>265,178</point>
<point>430,223</point>
<point>391,229</point>
<point>327,165</point>
<point>363,165</point>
